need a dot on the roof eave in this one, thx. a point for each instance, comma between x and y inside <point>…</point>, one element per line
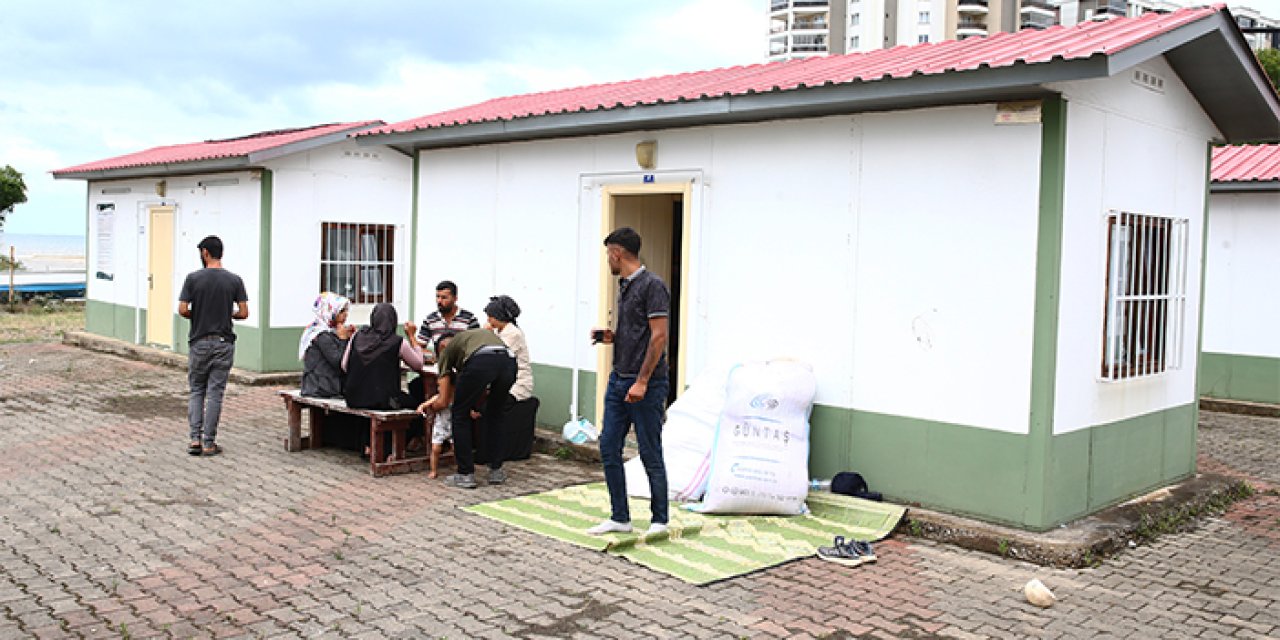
<point>159,170</point>
<point>1019,81</point>
<point>258,157</point>
<point>1237,186</point>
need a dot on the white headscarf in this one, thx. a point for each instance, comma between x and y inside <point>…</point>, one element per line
<point>326,308</point>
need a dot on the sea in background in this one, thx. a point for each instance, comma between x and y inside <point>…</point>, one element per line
<point>41,252</point>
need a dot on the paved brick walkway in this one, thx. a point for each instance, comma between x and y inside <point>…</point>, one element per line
<point>108,529</point>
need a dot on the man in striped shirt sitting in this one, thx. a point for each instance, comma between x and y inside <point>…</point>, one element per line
<point>448,316</point>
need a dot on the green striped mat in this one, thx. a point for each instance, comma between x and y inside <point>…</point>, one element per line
<point>699,548</point>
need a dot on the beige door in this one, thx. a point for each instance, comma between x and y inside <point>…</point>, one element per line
<point>160,297</point>
<point>657,212</point>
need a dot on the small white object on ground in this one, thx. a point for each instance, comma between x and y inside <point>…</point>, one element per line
<point>1038,594</point>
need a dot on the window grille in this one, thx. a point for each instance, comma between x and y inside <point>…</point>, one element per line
<point>1146,300</point>
<point>358,261</point>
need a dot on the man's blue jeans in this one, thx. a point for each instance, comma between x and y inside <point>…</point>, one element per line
<point>208,367</point>
<point>647,416</point>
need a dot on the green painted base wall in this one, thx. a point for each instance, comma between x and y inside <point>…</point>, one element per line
<point>1235,377</point>
<point>554,387</point>
<point>273,350</point>
<point>950,467</point>
<point>967,470</point>
<point>1097,467</point>
<point>985,473</point>
<point>113,320</point>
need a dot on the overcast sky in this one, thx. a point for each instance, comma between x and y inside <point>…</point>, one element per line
<point>86,80</point>
<point>89,80</point>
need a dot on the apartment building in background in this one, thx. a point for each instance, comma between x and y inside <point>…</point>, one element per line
<point>806,28</point>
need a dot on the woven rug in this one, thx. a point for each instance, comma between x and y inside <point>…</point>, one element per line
<point>698,548</point>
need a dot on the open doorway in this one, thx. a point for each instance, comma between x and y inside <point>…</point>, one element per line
<point>659,213</point>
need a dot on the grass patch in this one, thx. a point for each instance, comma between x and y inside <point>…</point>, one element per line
<point>39,320</point>
<point>1154,525</point>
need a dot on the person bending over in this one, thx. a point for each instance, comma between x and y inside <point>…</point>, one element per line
<point>470,364</point>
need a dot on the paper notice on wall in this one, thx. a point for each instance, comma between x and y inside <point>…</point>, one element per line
<point>1018,112</point>
<point>105,241</point>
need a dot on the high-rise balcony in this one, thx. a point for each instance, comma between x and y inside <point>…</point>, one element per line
<point>1109,8</point>
<point>1038,21</point>
<point>809,44</point>
<point>1038,7</point>
<point>809,4</point>
<point>977,7</point>
<point>970,28</point>
<point>779,5</point>
<point>809,25</point>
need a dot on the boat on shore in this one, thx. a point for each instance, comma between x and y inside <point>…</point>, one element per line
<point>64,283</point>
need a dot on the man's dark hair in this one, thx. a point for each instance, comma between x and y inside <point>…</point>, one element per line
<point>444,335</point>
<point>627,238</point>
<point>448,285</point>
<point>212,244</point>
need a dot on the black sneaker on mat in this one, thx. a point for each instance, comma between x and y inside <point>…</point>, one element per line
<point>842,552</point>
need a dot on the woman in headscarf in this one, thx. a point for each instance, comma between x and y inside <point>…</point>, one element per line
<point>322,345</point>
<point>372,362</point>
<point>502,312</point>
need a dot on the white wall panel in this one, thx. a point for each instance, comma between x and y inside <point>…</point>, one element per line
<point>230,212</point>
<point>340,182</point>
<point>946,272</point>
<point>1242,305</point>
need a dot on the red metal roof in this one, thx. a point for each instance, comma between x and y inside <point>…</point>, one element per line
<point>1246,163</point>
<point>1000,50</point>
<point>214,149</point>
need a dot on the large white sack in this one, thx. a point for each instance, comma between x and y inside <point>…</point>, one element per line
<point>686,438</point>
<point>760,459</point>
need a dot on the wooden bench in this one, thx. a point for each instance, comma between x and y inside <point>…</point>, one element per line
<point>381,423</point>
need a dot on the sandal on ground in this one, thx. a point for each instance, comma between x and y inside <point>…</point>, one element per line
<point>194,448</point>
<point>212,450</point>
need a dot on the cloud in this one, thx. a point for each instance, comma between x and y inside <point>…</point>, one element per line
<point>87,80</point>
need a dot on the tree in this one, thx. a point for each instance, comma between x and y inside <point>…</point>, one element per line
<point>1270,59</point>
<point>13,191</point>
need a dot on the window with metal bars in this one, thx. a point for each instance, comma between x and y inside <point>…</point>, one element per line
<point>358,261</point>
<point>1146,302</point>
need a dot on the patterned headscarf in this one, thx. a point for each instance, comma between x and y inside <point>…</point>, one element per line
<point>326,308</point>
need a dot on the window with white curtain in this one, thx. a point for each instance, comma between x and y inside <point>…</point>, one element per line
<point>358,260</point>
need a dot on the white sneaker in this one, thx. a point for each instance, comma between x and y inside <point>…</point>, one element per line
<point>656,528</point>
<point>609,526</point>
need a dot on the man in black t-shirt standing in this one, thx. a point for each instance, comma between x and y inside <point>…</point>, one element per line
<point>211,298</point>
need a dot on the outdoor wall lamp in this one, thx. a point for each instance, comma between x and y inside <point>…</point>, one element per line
<point>647,154</point>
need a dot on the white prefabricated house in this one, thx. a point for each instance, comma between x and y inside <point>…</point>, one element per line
<point>299,211</point>
<point>1240,357</point>
<point>989,250</point>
